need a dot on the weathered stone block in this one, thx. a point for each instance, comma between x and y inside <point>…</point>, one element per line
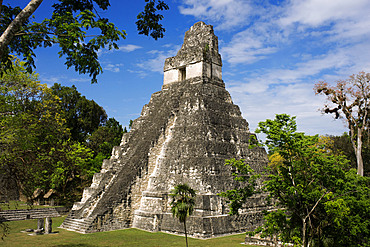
<point>40,224</point>
<point>48,225</point>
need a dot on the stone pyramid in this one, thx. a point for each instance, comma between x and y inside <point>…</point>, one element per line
<point>184,135</point>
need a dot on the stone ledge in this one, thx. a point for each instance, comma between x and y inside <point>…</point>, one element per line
<point>26,214</point>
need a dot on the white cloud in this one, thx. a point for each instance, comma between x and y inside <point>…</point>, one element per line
<point>317,12</point>
<point>343,22</point>
<point>156,63</point>
<point>129,48</point>
<point>293,99</point>
<point>302,72</point>
<point>122,48</point>
<point>246,47</point>
<point>329,41</point>
<point>140,73</point>
<point>225,13</point>
<point>267,92</point>
<point>340,21</point>
<point>81,79</point>
<point>113,67</point>
<point>51,79</point>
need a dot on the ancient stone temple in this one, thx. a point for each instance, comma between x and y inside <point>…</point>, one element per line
<point>184,135</point>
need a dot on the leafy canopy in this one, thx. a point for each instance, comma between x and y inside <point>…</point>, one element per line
<point>350,100</point>
<point>36,149</point>
<point>182,204</point>
<point>183,201</point>
<point>244,174</point>
<point>318,200</point>
<point>82,116</point>
<point>75,26</point>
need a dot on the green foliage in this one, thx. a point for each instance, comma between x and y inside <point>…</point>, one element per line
<point>183,201</point>
<point>82,116</point>
<point>30,124</point>
<point>36,150</point>
<point>106,137</point>
<point>72,170</point>
<point>245,174</point>
<point>342,145</point>
<point>182,204</point>
<point>319,201</point>
<point>148,20</point>
<point>279,132</point>
<point>70,26</point>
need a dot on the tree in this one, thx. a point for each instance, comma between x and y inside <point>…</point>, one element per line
<point>69,27</point>
<point>30,122</point>
<point>343,145</point>
<point>350,99</point>
<point>82,116</point>
<point>71,170</point>
<point>35,146</point>
<point>244,174</point>
<point>318,200</point>
<point>105,138</point>
<point>182,204</point>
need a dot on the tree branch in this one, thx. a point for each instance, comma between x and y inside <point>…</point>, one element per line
<point>60,35</point>
<point>313,208</point>
<point>15,25</point>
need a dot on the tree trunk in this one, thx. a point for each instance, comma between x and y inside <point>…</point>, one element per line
<point>357,146</point>
<point>304,231</point>
<point>186,235</point>
<point>360,164</point>
<point>15,25</point>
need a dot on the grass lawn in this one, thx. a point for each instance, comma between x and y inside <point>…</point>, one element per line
<point>127,237</point>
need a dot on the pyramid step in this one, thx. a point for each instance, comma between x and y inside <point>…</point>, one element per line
<point>77,225</point>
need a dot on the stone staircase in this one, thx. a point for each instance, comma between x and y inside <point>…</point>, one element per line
<point>77,225</point>
<point>26,214</point>
<point>101,180</point>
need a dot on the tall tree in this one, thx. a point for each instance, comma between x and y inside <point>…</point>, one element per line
<point>182,204</point>
<point>30,123</point>
<point>35,146</point>
<point>82,116</point>
<point>350,99</point>
<point>106,137</point>
<point>67,27</point>
<point>343,145</point>
<point>318,199</point>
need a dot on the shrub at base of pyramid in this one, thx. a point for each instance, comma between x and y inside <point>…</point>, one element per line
<point>184,135</point>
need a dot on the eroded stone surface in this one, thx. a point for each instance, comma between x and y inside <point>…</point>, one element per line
<point>197,57</point>
<point>184,135</point>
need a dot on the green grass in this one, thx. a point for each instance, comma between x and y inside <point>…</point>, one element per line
<point>14,205</point>
<point>127,237</point>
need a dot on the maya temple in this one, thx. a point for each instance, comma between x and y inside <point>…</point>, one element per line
<point>184,135</point>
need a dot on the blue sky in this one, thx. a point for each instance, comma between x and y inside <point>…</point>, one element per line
<point>273,53</point>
